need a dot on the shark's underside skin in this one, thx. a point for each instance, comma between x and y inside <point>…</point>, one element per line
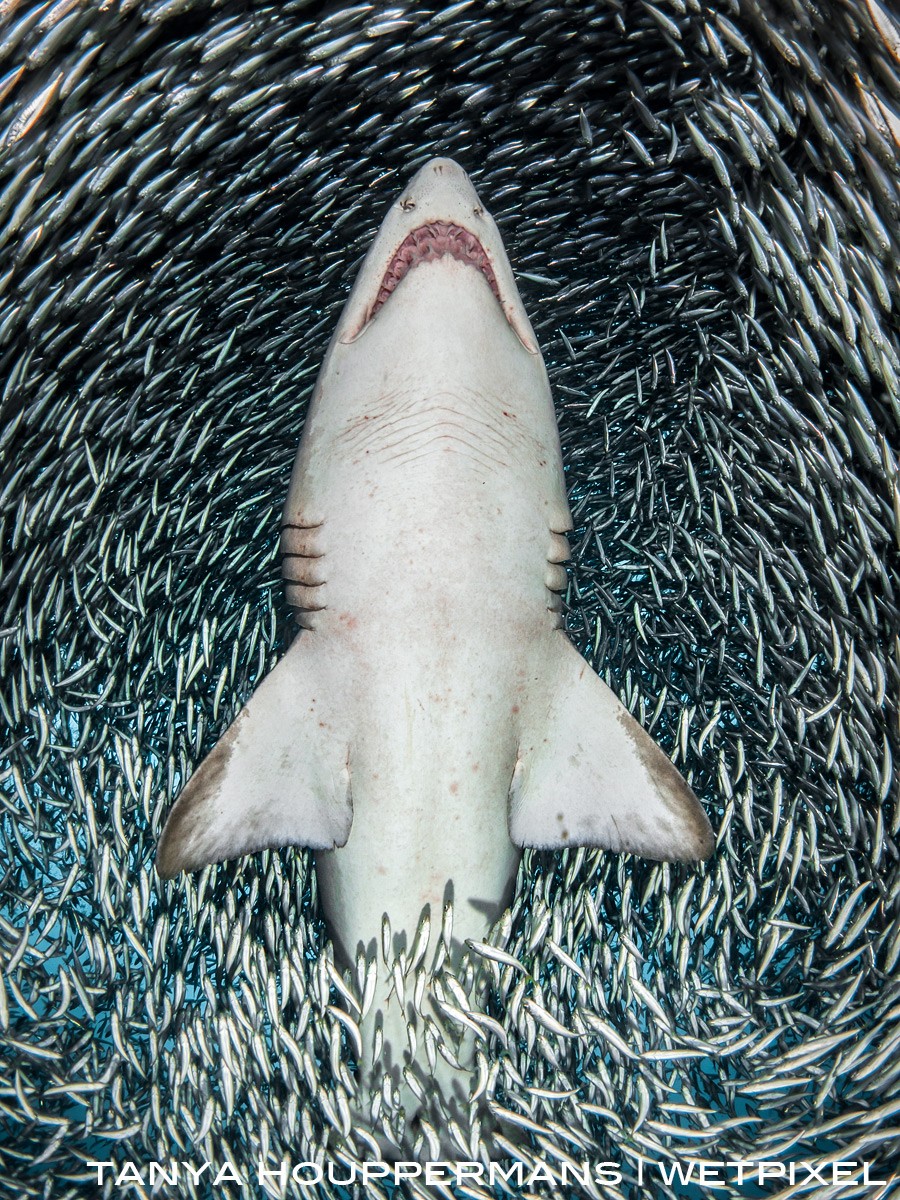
<point>432,718</point>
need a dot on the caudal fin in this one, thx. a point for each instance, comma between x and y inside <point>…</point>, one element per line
<point>278,776</point>
<point>588,775</point>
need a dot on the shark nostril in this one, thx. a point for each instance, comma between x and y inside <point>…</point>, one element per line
<point>407,204</point>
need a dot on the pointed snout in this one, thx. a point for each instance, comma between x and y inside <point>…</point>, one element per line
<point>443,187</point>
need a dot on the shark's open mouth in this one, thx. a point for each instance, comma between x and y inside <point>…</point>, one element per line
<point>429,242</point>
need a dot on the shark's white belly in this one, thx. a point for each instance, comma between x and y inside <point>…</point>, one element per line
<point>433,516</point>
<point>433,751</point>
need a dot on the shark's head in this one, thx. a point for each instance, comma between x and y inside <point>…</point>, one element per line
<point>437,214</point>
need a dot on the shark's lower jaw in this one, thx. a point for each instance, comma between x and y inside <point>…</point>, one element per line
<point>430,242</point>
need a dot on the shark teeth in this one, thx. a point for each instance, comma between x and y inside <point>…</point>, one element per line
<point>430,242</point>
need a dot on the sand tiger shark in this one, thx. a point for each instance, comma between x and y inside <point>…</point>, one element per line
<point>432,717</point>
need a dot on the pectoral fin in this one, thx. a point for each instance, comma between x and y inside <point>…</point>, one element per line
<point>278,776</point>
<point>588,775</point>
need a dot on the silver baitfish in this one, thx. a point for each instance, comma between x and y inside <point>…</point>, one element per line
<point>701,203</point>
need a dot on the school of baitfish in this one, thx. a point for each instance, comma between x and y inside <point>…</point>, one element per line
<point>700,201</point>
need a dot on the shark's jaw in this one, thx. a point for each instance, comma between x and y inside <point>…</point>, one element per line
<point>426,244</point>
<point>438,217</point>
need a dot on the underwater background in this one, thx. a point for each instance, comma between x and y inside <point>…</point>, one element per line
<point>700,202</point>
